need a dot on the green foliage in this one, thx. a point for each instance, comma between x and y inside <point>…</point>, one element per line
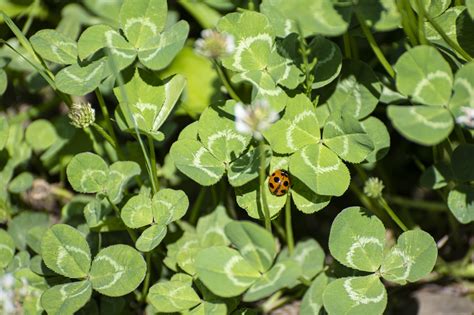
<point>357,240</point>
<point>131,163</point>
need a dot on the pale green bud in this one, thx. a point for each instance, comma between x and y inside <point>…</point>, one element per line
<point>373,187</point>
<point>82,115</point>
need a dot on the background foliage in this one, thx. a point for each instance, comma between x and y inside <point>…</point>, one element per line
<point>136,140</point>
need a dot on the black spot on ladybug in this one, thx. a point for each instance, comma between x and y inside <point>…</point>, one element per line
<point>285,183</point>
<point>273,175</point>
<point>276,179</point>
<point>283,191</point>
<point>271,185</point>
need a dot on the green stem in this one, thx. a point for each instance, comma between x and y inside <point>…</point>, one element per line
<point>289,229</point>
<point>347,45</point>
<point>131,232</point>
<point>392,214</point>
<point>263,175</point>
<point>419,204</point>
<point>154,172</point>
<point>62,193</point>
<point>105,112</point>
<point>279,229</point>
<point>411,17</point>
<point>406,24</point>
<point>366,202</point>
<point>446,38</point>
<point>375,47</point>
<point>459,134</point>
<point>421,24</point>
<point>104,134</point>
<point>307,67</point>
<point>95,144</point>
<point>194,213</point>
<point>146,283</point>
<point>225,82</point>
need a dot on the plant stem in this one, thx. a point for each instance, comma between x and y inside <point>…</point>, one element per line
<point>62,193</point>
<point>347,45</point>
<point>366,202</point>
<point>406,23</point>
<point>194,213</point>
<point>289,229</point>
<point>105,135</point>
<point>154,172</point>
<point>131,233</point>
<point>421,24</point>
<point>459,134</point>
<point>375,48</point>
<point>420,204</point>
<point>146,283</point>
<point>411,21</point>
<point>307,67</point>
<point>105,112</point>
<point>445,37</point>
<point>263,167</point>
<point>392,214</point>
<point>225,82</point>
<point>279,229</point>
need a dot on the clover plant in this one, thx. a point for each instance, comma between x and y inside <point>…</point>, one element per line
<point>138,139</point>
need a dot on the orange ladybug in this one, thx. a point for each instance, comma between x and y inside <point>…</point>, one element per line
<point>279,182</point>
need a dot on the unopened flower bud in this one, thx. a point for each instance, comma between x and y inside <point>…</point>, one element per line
<point>373,187</point>
<point>82,115</point>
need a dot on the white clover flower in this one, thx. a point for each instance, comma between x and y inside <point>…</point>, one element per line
<point>468,118</point>
<point>213,44</point>
<point>7,294</point>
<point>7,281</point>
<point>254,119</point>
<point>82,115</point>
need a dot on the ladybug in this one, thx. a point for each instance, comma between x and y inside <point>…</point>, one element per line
<point>279,182</point>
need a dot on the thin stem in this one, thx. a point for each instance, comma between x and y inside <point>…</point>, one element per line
<point>104,134</point>
<point>62,193</point>
<point>263,167</point>
<point>411,17</point>
<point>459,134</point>
<point>289,229</point>
<point>194,213</point>
<point>421,24</point>
<point>392,214</point>
<point>406,23</point>
<point>366,202</point>
<point>105,112</point>
<point>226,83</point>
<point>347,45</point>
<point>146,283</point>
<point>154,172</point>
<point>375,47</point>
<point>307,67</point>
<point>446,38</point>
<point>279,229</point>
<point>131,233</point>
<point>419,204</point>
<point>95,144</point>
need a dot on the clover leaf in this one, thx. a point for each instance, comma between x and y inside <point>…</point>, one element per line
<point>357,240</point>
<point>206,153</point>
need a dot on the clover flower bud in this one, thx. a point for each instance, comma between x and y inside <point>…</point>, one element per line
<point>254,119</point>
<point>373,187</point>
<point>82,115</point>
<point>467,119</point>
<point>213,44</point>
